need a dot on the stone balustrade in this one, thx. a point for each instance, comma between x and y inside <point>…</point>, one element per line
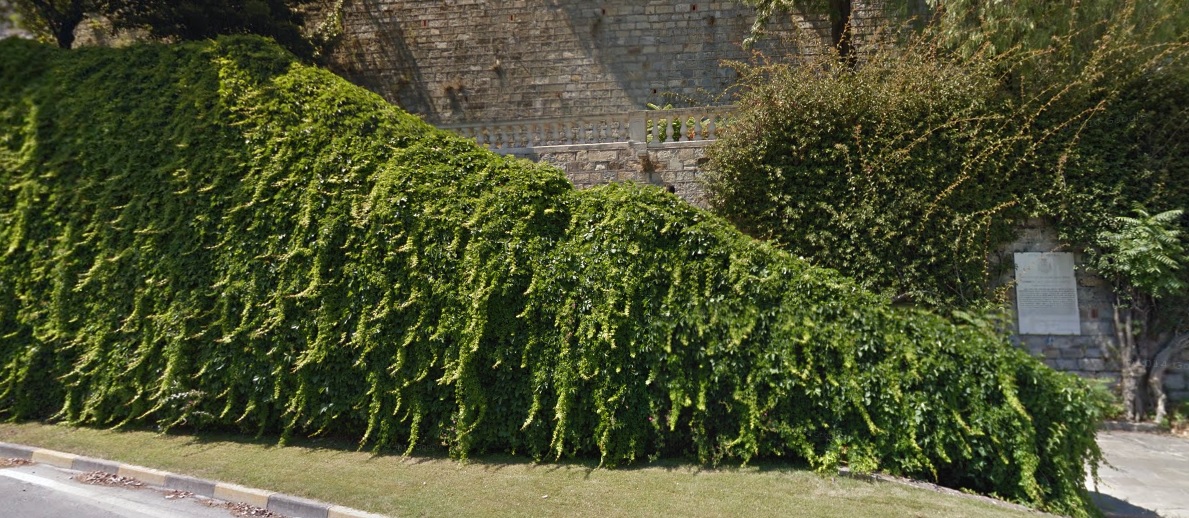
<point>651,128</point>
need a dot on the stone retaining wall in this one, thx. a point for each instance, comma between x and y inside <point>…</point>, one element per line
<point>1088,353</point>
<point>455,61</point>
<point>675,166</point>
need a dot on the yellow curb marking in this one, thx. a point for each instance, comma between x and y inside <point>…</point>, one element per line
<point>54,458</point>
<point>247,495</point>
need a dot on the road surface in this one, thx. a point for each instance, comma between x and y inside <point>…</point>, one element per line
<point>43,491</point>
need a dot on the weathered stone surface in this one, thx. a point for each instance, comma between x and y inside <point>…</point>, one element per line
<point>1073,352</point>
<point>488,60</point>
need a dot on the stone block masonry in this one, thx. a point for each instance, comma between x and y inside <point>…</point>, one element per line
<point>454,61</point>
<point>674,166</point>
<point>1088,353</point>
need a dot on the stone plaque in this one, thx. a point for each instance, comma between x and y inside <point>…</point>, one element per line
<point>1047,294</point>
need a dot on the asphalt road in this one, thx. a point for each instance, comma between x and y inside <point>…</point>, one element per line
<point>42,491</point>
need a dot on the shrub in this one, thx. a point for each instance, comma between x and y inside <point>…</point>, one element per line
<point>903,172</point>
<point>910,170</point>
<point>211,235</point>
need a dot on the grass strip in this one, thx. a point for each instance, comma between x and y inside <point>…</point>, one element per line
<point>499,485</point>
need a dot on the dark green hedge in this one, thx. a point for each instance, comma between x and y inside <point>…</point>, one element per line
<point>211,235</point>
<point>913,171</point>
<point>905,173</point>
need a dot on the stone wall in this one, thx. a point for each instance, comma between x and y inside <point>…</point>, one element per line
<point>1086,354</point>
<point>455,61</point>
<point>674,166</point>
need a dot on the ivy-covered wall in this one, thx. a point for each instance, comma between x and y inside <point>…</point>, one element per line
<point>214,235</point>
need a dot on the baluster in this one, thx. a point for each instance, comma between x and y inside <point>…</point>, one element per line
<point>711,129</point>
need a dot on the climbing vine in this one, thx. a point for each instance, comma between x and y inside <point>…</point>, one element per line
<point>215,236</point>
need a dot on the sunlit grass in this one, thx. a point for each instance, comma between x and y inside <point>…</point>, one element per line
<point>500,485</point>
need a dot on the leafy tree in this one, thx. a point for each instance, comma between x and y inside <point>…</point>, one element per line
<point>170,19</point>
<point>54,19</point>
<point>971,26</point>
<point>1143,257</point>
<point>201,19</point>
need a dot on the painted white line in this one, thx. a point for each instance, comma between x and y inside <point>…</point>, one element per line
<point>106,502</point>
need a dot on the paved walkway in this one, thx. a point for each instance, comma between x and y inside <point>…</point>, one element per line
<point>1147,475</point>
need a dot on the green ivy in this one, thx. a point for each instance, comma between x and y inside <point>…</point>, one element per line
<point>215,236</point>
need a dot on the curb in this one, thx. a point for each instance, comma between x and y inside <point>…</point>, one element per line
<point>1126,426</point>
<point>287,505</point>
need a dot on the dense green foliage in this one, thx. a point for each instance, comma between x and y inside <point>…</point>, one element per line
<point>1145,252</point>
<point>903,172</point>
<point>57,20</point>
<point>280,20</point>
<point>213,235</point>
<point>911,170</point>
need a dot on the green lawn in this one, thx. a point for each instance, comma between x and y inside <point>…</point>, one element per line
<point>501,486</point>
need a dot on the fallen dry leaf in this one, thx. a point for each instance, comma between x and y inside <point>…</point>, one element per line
<point>12,463</point>
<point>101,478</point>
<point>241,509</point>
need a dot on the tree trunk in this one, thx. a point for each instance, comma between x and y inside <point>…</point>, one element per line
<point>1131,370</point>
<point>840,29</point>
<point>64,35</point>
<point>1160,365</point>
<point>61,23</point>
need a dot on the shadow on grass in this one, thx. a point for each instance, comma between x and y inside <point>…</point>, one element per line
<point>491,462</point>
